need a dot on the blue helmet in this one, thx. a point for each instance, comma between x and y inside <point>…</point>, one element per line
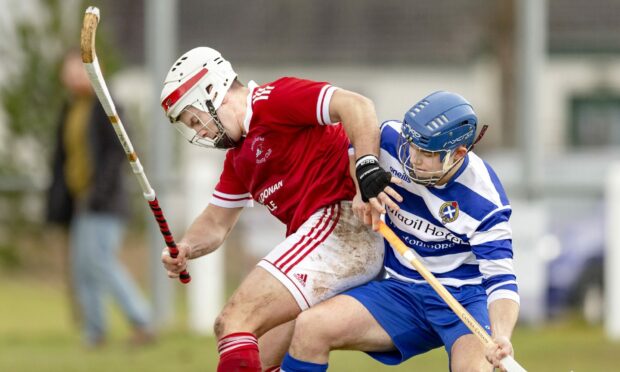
<point>441,121</point>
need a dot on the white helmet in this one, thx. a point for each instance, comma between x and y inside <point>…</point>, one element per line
<point>200,78</point>
<point>189,80</point>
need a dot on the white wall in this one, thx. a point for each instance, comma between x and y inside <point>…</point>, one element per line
<point>396,88</point>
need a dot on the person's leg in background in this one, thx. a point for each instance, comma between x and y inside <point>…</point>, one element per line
<point>118,280</point>
<point>89,291</point>
<point>57,237</point>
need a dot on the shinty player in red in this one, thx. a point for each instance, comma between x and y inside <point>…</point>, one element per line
<point>287,147</point>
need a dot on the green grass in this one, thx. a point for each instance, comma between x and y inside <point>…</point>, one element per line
<point>37,334</point>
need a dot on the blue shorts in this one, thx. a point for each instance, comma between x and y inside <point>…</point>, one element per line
<point>416,318</point>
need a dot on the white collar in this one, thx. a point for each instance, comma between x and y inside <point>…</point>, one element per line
<point>248,112</point>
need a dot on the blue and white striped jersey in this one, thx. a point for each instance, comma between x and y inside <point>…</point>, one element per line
<point>459,230</point>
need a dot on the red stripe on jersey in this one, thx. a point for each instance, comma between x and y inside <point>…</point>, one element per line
<point>318,242</point>
<point>176,94</point>
<point>304,240</point>
<point>232,200</point>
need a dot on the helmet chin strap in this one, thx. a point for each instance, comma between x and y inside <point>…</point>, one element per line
<point>222,140</point>
<point>480,135</point>
<point>448,155</point>
<point>447,167</point>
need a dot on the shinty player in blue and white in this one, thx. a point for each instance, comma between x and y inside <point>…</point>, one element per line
<point>455,216</point>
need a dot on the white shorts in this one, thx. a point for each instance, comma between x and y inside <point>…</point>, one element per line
<point>330,253</point>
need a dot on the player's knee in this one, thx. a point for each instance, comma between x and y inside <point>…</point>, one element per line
<point>314,327</point>
<point>226,323</point>
<point>233,319</point>
<point>218,326</point>
<point>304,322</point>
<point>468,355</point>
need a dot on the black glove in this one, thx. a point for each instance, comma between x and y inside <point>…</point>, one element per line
<point>372,179</point>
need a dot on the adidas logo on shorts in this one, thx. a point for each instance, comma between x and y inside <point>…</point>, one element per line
<point>301,278</point>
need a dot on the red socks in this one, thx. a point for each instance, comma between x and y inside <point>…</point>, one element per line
<point>238,353</point>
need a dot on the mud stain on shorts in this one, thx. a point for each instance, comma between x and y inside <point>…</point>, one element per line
<point>358,250</point>
<point>320,292</point>
<point>356,257</point>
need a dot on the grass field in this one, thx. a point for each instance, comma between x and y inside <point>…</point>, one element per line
<point>37,334</point>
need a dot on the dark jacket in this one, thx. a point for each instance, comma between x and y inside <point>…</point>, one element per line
<point>107,193</point>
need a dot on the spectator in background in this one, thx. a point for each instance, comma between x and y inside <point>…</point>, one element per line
<point>87,194</point>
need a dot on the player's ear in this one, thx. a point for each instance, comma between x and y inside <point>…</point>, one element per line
<point>460,152</point>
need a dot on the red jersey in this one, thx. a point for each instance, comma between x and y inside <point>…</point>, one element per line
<point>292,159</point>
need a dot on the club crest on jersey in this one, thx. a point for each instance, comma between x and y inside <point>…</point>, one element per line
<point>258,148</point>
<point>449,211</point>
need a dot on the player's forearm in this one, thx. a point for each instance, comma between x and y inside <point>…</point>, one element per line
<point>200,247</point>
<point>503,314</point>
<point>359,119</point>
<point>203,237</point>
<point>363,130</point>
<point>352,172</point>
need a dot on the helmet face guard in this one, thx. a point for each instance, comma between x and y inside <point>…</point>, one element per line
<point>409,152</point>
<point>200,133</point>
